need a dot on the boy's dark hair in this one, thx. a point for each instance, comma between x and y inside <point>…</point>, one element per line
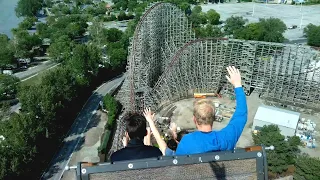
<point>172,144</point>
<point>181,134</point>
<point>136,126</point>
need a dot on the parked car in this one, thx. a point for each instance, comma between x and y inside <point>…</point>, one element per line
<point>292,27</point>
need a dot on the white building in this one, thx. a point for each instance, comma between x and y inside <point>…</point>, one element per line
<point>286,120</point>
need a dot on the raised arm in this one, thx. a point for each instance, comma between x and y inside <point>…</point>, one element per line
<point>231,133</point>
<point>149,117</point>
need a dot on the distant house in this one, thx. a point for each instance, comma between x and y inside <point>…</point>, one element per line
<point>286,120</point>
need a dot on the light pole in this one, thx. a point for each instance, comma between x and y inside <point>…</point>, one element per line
<point>301,20</point>
<point>253,7</point>
<point>301,14</point>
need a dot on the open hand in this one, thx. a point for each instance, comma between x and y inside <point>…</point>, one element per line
<point>234,76</point>
<point>148,115</point>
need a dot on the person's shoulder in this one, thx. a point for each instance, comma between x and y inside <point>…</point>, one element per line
<point>114,156</point>
<point>196,135</point>
<point>153,149</point>
<point>191,135</point>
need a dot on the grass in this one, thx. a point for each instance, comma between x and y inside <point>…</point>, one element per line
<point>36,79</point>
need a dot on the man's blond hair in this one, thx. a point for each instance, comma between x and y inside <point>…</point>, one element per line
<point>204,112</point>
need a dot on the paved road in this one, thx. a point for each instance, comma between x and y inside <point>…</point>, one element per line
<point>75,135</point>
<point>121,25</point>
<point>35,70</point>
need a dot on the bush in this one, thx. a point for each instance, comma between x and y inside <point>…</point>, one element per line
<point>307,168</point>
<point>312,32</point>
<point>285,152</point>
<point>104,142</point>
<point>111,105</point>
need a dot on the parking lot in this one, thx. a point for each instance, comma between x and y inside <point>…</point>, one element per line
<point>289,14</point>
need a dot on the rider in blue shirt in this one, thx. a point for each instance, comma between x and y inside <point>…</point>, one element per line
<point>206,140</point>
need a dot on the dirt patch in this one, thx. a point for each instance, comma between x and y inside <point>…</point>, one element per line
<point>88,151</point>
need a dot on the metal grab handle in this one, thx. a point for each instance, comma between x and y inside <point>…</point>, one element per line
<point>269,148</point>
<point>67,168</point>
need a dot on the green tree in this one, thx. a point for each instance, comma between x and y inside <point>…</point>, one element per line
<point>85,63</point>
<point>88,2</point>
<point>79,2</point>
<point>118,57</point>
<point>6,52</point>
<point>43,30</point>
<point>101,8</point>
<point>208,31</point>
<point>23,43</point>
<point>75,30</point>
<point>47,99</point>
<point>4,112</point>
<point>48,3</point>
<point>8,86</point>
<point>184,6</point>
<point>132,4</point>
<point>18,148</point>
<point>197,9</point>
<point>98,33</point>
<point>213,17</point>
<point>120,4</point>
<point>30,98</point>
<point>65,9</point>
<point>122,16</point>
<point>270,30</point>
<point>198,19</point>
<point>60,50</point>
<point>285,151</point>
<point>253,31</point>
<point>213,31</point>
<point>273,29</point>
<point>28,7</point>
<point>307,168</point>
<point>27,23</point>
<point>72,25</point>
<point>114,35</point>
<point>234,24</point>
<point>312,32</point>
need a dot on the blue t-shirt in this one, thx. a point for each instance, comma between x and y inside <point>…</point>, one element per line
<point>225,139</point>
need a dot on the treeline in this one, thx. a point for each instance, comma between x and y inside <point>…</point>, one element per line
<point>50,107</point>
<point>48,110</point>
<point>286,159</point>
<point>312,32</point>
<point>209,25</point>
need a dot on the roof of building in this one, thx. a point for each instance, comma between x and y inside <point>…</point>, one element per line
<point>277,116</point>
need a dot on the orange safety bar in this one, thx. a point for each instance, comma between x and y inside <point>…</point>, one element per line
<point>253,148</point>
<point>204,95</point>
<point>199,96</point>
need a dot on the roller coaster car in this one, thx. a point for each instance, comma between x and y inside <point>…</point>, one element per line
<point>245,163</point>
